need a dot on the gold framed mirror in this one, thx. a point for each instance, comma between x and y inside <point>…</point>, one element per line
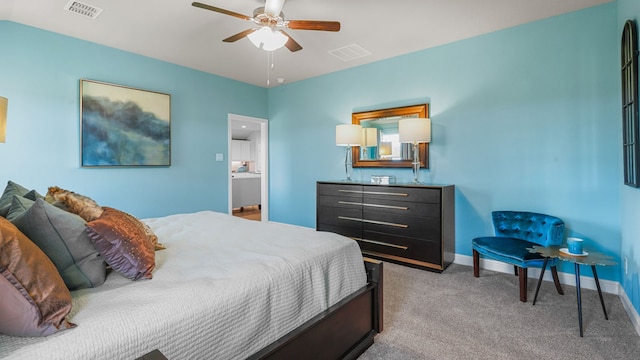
<point>381,143</point>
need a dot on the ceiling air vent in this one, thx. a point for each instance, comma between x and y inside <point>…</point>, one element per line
<point>83,9</point>
<point>350,52</point>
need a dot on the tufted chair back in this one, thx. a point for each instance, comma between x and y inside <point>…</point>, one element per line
<point>541,229</point>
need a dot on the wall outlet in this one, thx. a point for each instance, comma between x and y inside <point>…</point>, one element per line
<point>219,157</point>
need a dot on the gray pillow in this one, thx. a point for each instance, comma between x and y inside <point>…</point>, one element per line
<point>19,205</point>
<point>63,237</point>
<point>33,195</point>
<point>7,196</point>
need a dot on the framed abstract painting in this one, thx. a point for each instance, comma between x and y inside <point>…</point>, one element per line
<point>123,126</point>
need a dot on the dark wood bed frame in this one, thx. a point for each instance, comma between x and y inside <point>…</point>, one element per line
<point>344,331</point>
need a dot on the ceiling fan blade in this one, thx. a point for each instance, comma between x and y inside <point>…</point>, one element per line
<point>291,44</point>
<point>313,25</point>
<point>221,11</point>
<point>273,8</point>
<point>239,35</point>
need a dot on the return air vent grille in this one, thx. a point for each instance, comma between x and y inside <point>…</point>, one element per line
<point>350,52</point>
<point>83,9</point>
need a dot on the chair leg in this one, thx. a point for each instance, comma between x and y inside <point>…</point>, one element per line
<point>515,270</point>
<point>556,281</point>
<point>476,264</point>
<point>523,284</point>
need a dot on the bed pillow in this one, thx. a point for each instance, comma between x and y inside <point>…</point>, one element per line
<point>122,241</point>
<point>7,196</point>
<point>33,195</point>
<point>62,236</point>
<point>19,205</point>
<point>35,300</point>
<point>151,236</point>
<point>81,205</point>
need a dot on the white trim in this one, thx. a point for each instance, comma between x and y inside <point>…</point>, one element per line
<point>586,282</point>
<point>264,160</point>
<point>608,286</point>
<point>631,311</point>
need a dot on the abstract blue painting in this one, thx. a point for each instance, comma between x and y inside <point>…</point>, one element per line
<point>123,126</point>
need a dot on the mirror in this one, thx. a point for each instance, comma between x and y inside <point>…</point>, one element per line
<point>381,141</point>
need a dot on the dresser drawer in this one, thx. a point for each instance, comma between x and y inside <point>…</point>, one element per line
<point>352,232</point>
<point>341,217</point>
<point>340,202</point>
<point>385,207</point>
<point>421,250</point>
<point>346,191</point>
<point>409,226</point>
<point>398,193</point>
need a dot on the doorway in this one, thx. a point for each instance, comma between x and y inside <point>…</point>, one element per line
<point>248,167</point>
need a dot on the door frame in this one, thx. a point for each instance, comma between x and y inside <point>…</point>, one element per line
<point>264,162</point>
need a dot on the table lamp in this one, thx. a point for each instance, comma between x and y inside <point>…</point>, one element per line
<point>415,131</point>
<point>348,135</point>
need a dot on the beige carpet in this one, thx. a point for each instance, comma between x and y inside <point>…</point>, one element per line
<point>456,316</point>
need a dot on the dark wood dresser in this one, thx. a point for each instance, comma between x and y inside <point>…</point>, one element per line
<point>408,224</point>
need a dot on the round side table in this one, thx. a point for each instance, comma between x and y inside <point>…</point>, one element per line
<point>591,258</point>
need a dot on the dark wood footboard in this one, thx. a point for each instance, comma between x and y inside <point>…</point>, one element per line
<point>344,331</point>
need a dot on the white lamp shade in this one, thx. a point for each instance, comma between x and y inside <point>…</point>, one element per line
<point>414,130</point>
<point>3,118</point>
<point>267,38</point>
<point>369,137</point>
<point>349,135</point>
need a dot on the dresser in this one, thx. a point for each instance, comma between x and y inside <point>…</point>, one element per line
<point>408,224</point>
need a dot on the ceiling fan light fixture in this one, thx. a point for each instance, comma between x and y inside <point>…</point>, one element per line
<point>268,39</point>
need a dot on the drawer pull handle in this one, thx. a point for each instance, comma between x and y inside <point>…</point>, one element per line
<point>373,205</point>
<point>373,222</point>
<point>386,206</point>
<point>385,223</point>
<point>382,243</point>
<point>350,191</point>
<point>349,218</point>
<point>384,193</point>
<point>372,192</point>
<point>350,203</point>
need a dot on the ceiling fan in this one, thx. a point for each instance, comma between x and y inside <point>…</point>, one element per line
<point>270,34</point>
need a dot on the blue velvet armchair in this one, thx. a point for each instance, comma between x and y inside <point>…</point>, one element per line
<point>515,231</point>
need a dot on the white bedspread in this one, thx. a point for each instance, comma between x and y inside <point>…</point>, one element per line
<point>224,288</point>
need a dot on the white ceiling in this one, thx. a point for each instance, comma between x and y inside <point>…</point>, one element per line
<point>176,32</point>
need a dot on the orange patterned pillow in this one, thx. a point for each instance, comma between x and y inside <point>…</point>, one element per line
<point>121,240</point>
<point>152,237</point>
<point>74,203</point>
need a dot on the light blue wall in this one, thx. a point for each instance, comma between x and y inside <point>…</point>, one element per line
<point>630,197</point>
<point>526,118</point>
<point>39,74</point>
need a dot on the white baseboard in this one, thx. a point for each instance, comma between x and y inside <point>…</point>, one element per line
<point>631,311</point>
<point>608,286</point>
<point>586,282</point>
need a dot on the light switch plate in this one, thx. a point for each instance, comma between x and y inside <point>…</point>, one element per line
<point>219,157</point>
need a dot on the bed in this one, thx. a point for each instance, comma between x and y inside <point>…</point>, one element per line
<point>226,288</point>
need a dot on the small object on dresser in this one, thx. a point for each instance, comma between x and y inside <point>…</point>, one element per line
<point>383,179</point>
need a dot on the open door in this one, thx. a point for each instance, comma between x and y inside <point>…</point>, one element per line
<point>248,167</point>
